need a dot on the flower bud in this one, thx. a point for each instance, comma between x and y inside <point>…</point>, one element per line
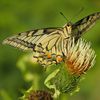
<point>38,95</point>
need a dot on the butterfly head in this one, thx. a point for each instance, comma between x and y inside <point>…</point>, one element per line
<point>69,24</point>
<point>68,27</point>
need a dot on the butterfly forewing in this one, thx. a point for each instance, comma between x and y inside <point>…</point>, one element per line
<point>84,24</point>
<point>31,40</point>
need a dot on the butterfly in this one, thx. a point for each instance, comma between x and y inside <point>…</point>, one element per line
<point>49,43</point>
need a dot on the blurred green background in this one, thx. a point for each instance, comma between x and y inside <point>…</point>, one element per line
<point>21,15</point>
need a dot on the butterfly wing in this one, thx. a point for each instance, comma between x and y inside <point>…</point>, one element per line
<point>36,40</point>
<point>47,43</point>
<point>85,24</point>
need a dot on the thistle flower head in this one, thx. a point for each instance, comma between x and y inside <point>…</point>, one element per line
<point>80,56</point>
<point>38,95</point>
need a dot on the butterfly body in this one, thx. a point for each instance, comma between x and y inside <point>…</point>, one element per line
<point>50,43</point>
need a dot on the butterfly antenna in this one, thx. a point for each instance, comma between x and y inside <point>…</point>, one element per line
<point>64,16</point>
<point>81,9</point>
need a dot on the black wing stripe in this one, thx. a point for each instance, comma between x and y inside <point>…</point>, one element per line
<point>86,23</point>
<point>91,18</point>
<point>28,33</point>
<point>51,43</point>
<point>25,43</point>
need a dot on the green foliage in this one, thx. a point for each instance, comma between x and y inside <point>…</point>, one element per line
<point>61,81</point>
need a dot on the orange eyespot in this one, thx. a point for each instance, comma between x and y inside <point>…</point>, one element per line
<point>48,55</point>
<point>59,59</point>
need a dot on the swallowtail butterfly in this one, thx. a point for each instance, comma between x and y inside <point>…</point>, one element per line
<point>49,43</point>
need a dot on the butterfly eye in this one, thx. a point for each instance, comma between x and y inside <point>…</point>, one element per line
<point>68,25</point>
